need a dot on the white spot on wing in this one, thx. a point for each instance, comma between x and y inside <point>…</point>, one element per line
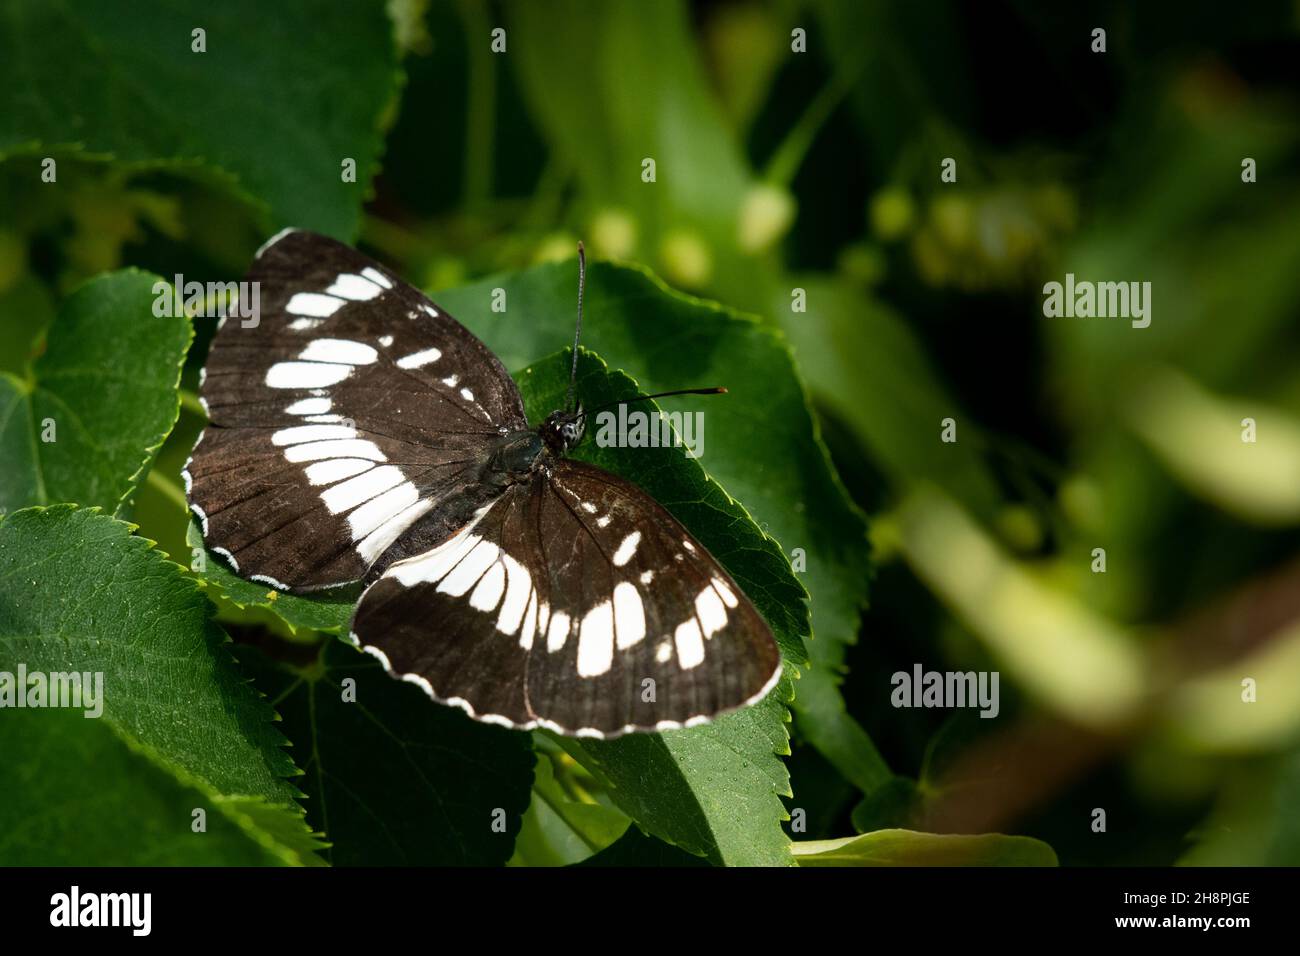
<point>343,448</point>
<point>374,275</point>
<point>304,325</point>
<point>378,540</point>
<point>385,340</point>
<point>309,406</point>
<point>419,359</point>
<point>378,510</point>
<point>358,490</point>
<point>519,587</point>
<point>710,610</point>
<point>629,615</point>
<point>628,548</point>
<point>530,622</point>
<point>313,304</point>
<point>339,350</point>
<point>471,567</point>
<point>727,596</point>
<point>336,469</point>
<point>354,287</point>
<point>557,632</point>
<point>304,433</point>
<point>690,645</point>
<point>596,641</point>
<point>487,595</point>
<point>305,374</point>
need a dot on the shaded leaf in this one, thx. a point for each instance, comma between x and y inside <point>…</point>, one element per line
<point>393,779</point>
<point>635,848</point>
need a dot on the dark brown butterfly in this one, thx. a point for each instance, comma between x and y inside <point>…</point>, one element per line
<point>358,432</point>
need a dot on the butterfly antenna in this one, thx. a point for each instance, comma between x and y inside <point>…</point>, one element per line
<point>712,390</point>
<point>577,334</point>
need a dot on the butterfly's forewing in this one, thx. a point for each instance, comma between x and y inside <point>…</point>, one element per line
<point>575,602</point>
<point>353,414</point>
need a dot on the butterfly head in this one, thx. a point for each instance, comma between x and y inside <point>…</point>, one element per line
<point>563,429</point>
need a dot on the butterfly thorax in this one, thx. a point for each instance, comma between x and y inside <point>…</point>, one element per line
<point>516,456</point>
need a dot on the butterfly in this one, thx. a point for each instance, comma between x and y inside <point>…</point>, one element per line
<point>357,432</point>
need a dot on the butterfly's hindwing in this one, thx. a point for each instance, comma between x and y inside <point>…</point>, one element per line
<point>355,415</point>
<point>575,602</point>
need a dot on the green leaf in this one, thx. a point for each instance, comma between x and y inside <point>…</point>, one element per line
<point>328,611</point>
<point>393,779</point>
<point>635,848</point>
<point>82,594</point>
<point>25,311</point>
<point>559,828</point>
<point>82,792</point>
<point>103,394</point>
<point>712,790</point>
<point>910,848</point>
<point>284,94</point>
